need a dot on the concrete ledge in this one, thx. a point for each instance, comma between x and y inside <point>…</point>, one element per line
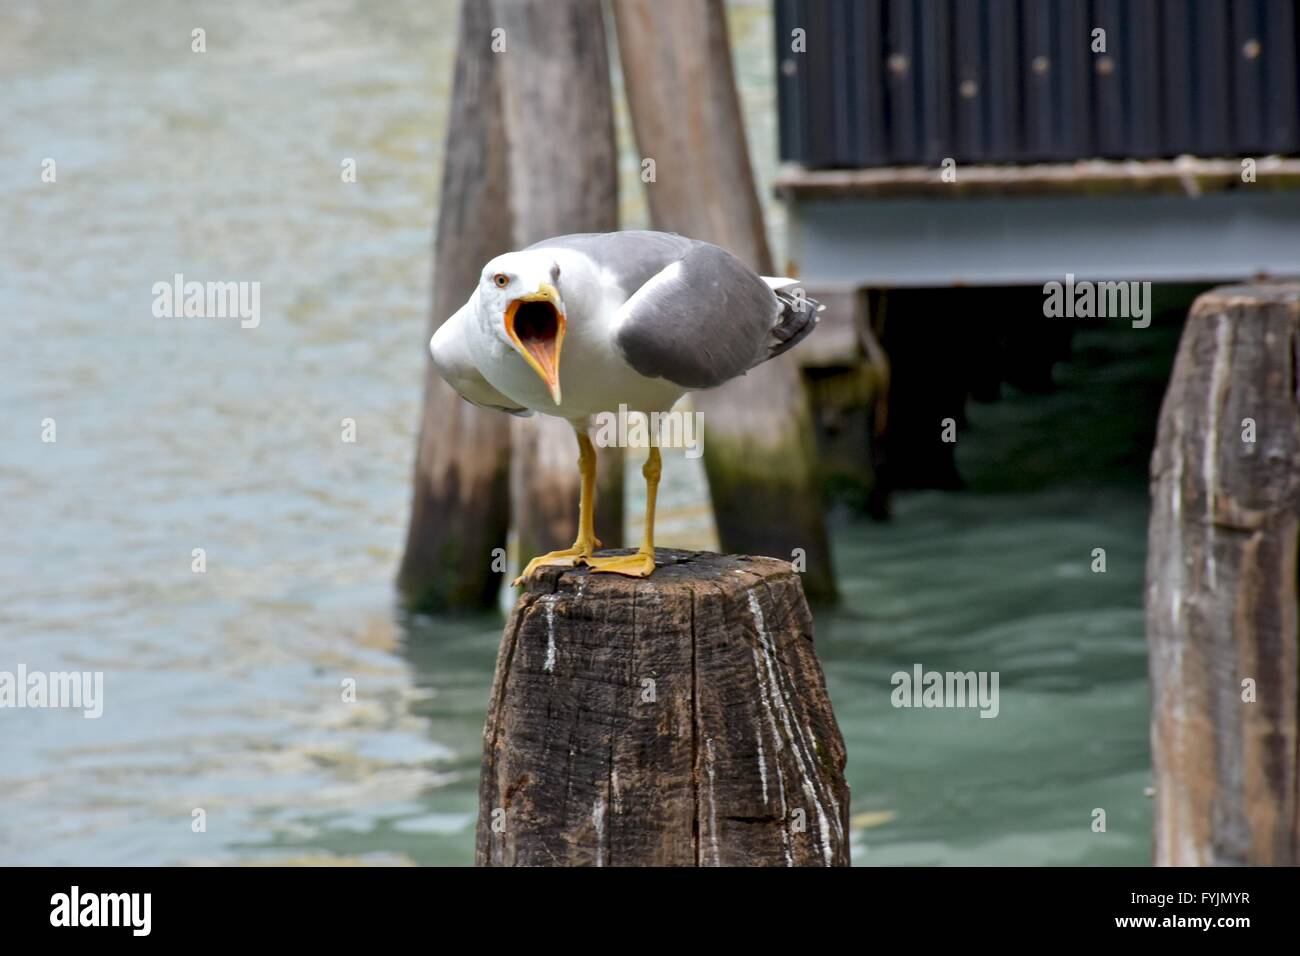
<point>899,242</point>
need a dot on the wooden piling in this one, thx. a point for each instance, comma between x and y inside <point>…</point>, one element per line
<point>679,720</point>
<point>556,94</point>
<point>459,505</point>
<point>1221,585</point>
<point>759,448</point>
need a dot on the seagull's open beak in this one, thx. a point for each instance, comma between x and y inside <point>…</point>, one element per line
<point>535,323</point>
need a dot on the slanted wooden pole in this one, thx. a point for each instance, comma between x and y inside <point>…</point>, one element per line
<point>460,509</point>
<point>759,445</point>
<point>563,170</point>
<point>679,720</point>
<point>1222,588</point>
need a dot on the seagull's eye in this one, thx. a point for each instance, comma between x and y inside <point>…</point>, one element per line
<point>501,279</point>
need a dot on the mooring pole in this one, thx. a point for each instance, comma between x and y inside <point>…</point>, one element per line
<point>1221,584</point>
<point>679,720</point>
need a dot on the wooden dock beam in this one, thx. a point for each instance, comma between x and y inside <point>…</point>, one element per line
<point>679,720</point>
<point>1221,585</point>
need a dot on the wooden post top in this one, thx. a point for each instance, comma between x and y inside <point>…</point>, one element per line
<point>674,569</point>
<point>675,720</point>
<point>1264,291</point>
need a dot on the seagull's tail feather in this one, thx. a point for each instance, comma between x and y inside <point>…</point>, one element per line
<point>797,319</point>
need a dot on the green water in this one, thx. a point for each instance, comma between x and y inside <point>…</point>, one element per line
<point>222,689</point>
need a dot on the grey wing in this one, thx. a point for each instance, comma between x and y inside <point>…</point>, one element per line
<point>451,357</point>
<point>706,318</point>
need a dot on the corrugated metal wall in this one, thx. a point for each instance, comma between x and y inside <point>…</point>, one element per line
<point>887,82</point>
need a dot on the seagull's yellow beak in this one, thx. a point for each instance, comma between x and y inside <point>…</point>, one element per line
<point>535,323</point>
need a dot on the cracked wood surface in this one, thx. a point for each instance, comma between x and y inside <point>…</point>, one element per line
<point>1222,588</point>
<point>680,720</point>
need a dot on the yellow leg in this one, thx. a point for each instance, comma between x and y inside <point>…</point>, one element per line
<point>586,542</point>
<point>641,564</point>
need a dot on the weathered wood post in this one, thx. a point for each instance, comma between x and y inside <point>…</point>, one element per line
<point>563,167</point>
<point>1221,604</point>
<point>759,448</point>
<point>680,720</point>
<point>460,508</point>
<point>847,372</point>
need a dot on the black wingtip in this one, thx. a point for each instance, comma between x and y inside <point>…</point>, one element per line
<point>799,316</point>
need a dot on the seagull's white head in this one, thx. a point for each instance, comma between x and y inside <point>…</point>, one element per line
<point>519,302</point>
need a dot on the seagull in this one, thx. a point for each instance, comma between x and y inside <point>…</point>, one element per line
<point>640,317</point>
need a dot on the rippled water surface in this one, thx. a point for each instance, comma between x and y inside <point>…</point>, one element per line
<point>223,688</point>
